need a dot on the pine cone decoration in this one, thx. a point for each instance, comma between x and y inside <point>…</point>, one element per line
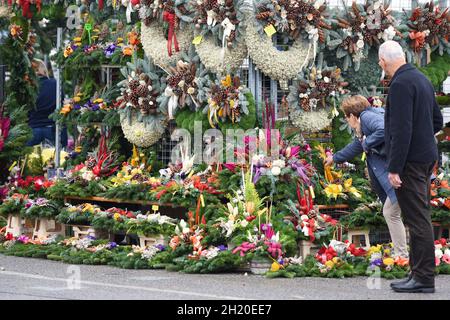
<point>189,78</point>
<point>174,80</point>
<point>142,91</point>
<point>145,107</point>
<point>133,84</point>
<point>304,103</point>
<point>134,99</point>
<point>264,15</point>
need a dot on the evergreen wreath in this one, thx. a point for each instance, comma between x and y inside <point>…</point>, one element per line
<point>219,28</point>
<point>141,117</point>
<point>363,27</point>
<point>312,96</point>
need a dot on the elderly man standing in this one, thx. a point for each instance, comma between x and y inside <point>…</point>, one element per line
<point>412,119</point>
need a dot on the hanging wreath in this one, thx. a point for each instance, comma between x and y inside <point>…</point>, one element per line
<point>278,65</point>
<point>165,31</point>
<point>363,27</point>
<point>137,104</point>
<point>184,87</point>
<point>314,95</point>
<point>294,18</point>
<point>226,101</point>
<point>136,132</point>
<point>211,56</point>
<point>222,18</point>
<point>429,30</point>
<point>155,44</point>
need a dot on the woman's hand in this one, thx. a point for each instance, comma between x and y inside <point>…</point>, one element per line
<point>329,160</point>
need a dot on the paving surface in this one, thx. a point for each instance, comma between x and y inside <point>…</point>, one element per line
<point>26,278</point>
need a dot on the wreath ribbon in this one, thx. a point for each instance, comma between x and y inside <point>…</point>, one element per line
<point>173,101</point>
<point>228,27</point>
<point>129,11</point>
<point>171,19</point>
<point>313,35</point>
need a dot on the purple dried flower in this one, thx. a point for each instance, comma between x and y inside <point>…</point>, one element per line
<point>160,247</point>
<point>222,247</point>
<point>91,237</point>
<point>376,262</point>
<point>109,51</point>
<point>76,107</point>
<point>95,107</point>
<point>111,245</point>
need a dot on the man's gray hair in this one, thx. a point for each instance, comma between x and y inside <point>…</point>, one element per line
<point>391,51</point>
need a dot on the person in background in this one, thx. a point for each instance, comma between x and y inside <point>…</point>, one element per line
<point>43,128</point>
<point>368,124</point>
<point>411,121</point>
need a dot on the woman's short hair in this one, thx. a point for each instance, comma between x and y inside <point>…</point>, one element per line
<point>40,67</point>
<point>354,105</point>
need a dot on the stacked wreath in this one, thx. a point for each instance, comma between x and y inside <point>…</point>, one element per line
<point>141,117</point>
<point>219,25</point>
<point>313,95</point>
<point>165,32</point>
<point>429,29</point>
<point>363,27</point>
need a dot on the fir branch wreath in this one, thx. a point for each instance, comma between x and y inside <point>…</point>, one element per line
<point>141,117</point>
<point>312,95</point>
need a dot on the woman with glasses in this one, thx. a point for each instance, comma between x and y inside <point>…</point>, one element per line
<point>368,125</point>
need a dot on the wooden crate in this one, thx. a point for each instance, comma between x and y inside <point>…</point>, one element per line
<point>355,235</point>
<point>44,228</point>
<point>151,240</point>
<point>14,225</point>
<point>84,231</point>
<point>28,227</point>
<point>441,230</point>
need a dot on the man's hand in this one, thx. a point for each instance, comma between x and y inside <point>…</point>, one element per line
<point>329,160</point>
<point>394,179</point>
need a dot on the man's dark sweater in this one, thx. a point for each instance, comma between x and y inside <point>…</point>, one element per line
<point>45,104</point>
<point>412,118</point>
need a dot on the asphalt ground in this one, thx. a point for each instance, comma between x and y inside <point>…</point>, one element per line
<point>35,279</point>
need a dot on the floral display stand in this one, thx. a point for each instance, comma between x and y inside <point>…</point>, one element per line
<point>441,228</point>
<point>14,225</point>
<point>306,248</point>
<point>151,240</point>
<point>354,236</point>
<point>44,228</point>
<point>28,227</point>
<point>85,231</point>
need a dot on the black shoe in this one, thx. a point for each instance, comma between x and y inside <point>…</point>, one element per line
<point>396,283</point>
<point>414,286</point>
